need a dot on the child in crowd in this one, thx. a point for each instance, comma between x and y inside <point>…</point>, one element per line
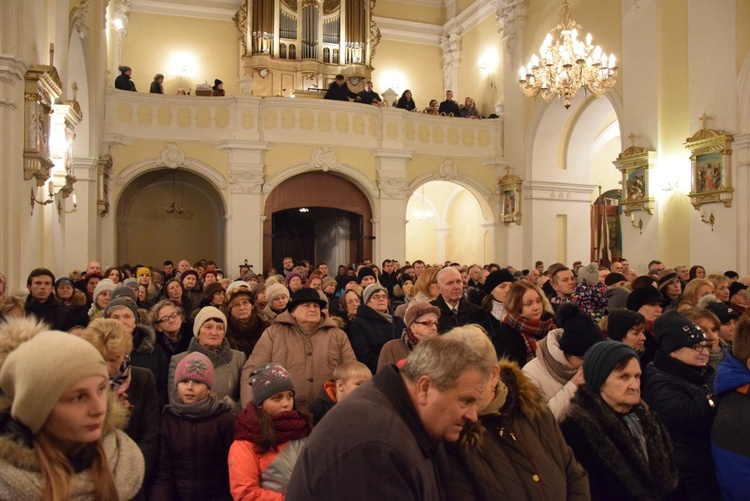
<point>196,433</point>
<point>268,436</point>
<point>346,378</point>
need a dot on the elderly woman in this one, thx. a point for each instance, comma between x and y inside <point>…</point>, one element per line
<point>613,434</point>
<point>421,321</point>
<point>556,370</point>
<point>191,283</point>
<point>515,450</point>
<point>173,333</point>
<point>677,386</point>
<point>146,351</point>
<point>529,319</point>
<point>348,304</point>
<point>670,287</point>
<point>738,297</point>
<point>244,323</point>
<point>373,326</point>
<point>210,339</point>
<point>74,300</point>
<point>277,297</point>
<point>134,387</point>
<point>60,435</point>
<point>294,281</point>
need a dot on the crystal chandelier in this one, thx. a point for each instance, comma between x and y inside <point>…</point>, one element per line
<point>567,64</point>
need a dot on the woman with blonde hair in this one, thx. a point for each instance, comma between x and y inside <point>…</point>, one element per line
<point>529,318</point>
<point>425,289</point>
<point>59,436</point>
<point>696,289</point>
<point>721,286</point>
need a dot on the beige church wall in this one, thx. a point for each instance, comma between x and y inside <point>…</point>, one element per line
<point>193,234</point>
<point>409,12</point>
<point>481,43</point>
<point>462,5</point>
<point>124,156</point>
<point>465,242</point>
<point>416,67</point>
<point>157,43</point>
<point>475,168</point>
<point>742,21</point>
<point>602,171</point>
<point>280,157</point>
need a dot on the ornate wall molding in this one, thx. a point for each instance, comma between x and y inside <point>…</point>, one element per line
<point>78,20</point>
<point>451,45</point>
<point>245,182</point>
<point>192,164</point>
<point>476,187</point>
<point>447,170</point>
<point>172,157</point>
<point>511,16</point>
<point>391,187</point>
<point>324,159</point>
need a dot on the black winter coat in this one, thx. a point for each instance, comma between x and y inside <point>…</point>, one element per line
<point>468,313</point>
<point>143,424</point>
<point>186,335</point>
<point>369,332</point>
<point>50,311</point>
<point>193,454</point>
<point>507,341</point>
<point>149,355</point>
<point>339,92</point>
<point>681,397</point>
<point>123,82</point>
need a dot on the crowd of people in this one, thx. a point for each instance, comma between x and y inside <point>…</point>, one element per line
<point>125,82</point>
<point>397,381</point>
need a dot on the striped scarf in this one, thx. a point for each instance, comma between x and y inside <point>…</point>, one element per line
<point>531,330</point>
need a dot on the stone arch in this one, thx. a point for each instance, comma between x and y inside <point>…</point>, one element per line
<point>483,195</point>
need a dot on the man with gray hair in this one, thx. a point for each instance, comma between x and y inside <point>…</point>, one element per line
<point>455,309</point>
<point>384,441</point>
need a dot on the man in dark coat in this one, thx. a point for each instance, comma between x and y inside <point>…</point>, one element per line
<point>455,309</point>
<point>388,277</point>
<point>42,303</point>
<point>339,91</point>
<point>449,105</point>
<point>385,440</point>
<point>369,96</point>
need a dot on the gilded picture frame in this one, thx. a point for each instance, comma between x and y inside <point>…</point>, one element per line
<point>510,198</point>
<point>710,167</point>
<point>636,164</point>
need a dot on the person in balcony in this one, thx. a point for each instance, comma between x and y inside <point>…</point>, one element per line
<point>433,108</point>
<point>369,96</point>
<point>218,88</point>
<point>123,82</point>
<point>157,86</point>
<point>339,91</point>
<point>469,109</point>
<point>405,102</point>
<point>449,106</point>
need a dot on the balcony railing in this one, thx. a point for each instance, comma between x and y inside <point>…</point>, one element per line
<point>138,116</point>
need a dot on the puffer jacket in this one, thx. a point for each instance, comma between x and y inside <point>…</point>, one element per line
<point>515,451</point>
<point>193,453</point>
<point>369,332</point>
<point>310,358</point>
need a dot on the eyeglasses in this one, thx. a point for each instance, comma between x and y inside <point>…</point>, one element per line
<point>700,347</point>
<point>379,297</point>
<point>428,323</point>
<point>173,316</point>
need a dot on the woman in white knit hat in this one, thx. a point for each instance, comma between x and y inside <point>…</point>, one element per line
<point>59,436</point>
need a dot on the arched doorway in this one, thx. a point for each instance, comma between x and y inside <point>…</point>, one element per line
<point>335,229</point>
<point>170,214</point>
<point>446,222</point>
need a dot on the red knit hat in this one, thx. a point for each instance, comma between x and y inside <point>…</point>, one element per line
<point>195,367</point>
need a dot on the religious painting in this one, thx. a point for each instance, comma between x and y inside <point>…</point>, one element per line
<point>636,163</point>
<point>510,198</point>
<point>711,167</point>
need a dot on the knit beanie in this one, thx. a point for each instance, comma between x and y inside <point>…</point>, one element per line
<point>205,314</point>
<point>370,290</point>
<point>142,271</point>
<point>365,271</point>
<point>275,290</point>
<point>620,321</point>
<point>132,283</point>
<point>496,278</point>
<point>580,332</point>
<point>589,274</point>
<point>122,291</point>
<point>62,280</point>
<point>213,288</point>
<point>417,309</point>
<point>292,275</point>
<point>237,283</point>
<point>328,281</point>
<point>718,308</point>
<point>187,273</point>
<point>104,285</point>
<point>119,303</point>
<point>673,331</point>
<point>43,367</point>
<point>195,367</point>
<point>269,379</point>
<point>601,359</point>
<point>613,278</point>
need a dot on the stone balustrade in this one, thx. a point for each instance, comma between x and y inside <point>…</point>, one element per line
<point>139,116</point>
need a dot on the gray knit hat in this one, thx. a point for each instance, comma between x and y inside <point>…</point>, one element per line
<point>123,291</point>
<point>103,285</point>
<point>120,302</point>
<point>370,290</point>
<point>275,290</point>
<point>589,274</point>
<point>601,359</point>
<point>269,379</point>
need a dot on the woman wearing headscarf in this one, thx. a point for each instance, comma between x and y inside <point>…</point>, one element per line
<point>60,434</point>
<point>515,450</point>
<point>678,386</point>
<point>614,435</point>
<point>210,339</point>
<point>277,296</point>
<point>73,300</point>
<point>244,324</point>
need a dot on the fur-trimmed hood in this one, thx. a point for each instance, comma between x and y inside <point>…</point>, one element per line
<point>144,339</point>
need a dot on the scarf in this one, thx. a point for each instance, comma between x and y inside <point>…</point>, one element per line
<point>498,310</point>
<point>409,339</point>
<point>634,425</point>
<point>531,331</point>
<point>120,382</point>
<point>202,409</point>
<point>219,357</point>
<point>289,425</point>
<point>560,372</point>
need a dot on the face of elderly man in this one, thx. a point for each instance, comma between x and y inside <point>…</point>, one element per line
<point>451,285</point>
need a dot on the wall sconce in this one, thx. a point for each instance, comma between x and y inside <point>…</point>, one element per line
<point>708,220</point>
<point>61,211</point>
<point>483,64</point>
<point>50,199</point>
<point>639,226</point>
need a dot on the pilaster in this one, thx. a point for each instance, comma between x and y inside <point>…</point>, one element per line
<point>389,230</point>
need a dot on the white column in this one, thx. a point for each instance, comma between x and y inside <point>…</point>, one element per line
<point>390,232</point>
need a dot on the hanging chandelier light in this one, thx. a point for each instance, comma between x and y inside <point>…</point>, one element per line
<point>567,64</point>
<point>423,214</point>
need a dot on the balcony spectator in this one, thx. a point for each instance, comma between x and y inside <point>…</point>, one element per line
<point>218,88</point>
<point>369,96</point>
<point>157,86</point>
<point>123,82</point>
<point>405,102</point>
<point>469,109</point>
<point>339,91</point>
<point>449,106</point>
<point>433,108</point>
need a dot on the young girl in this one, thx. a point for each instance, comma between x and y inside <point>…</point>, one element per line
<point>268,435</point>
<point>196,432</point>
